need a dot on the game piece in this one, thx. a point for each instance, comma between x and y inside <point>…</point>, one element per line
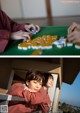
<point>44,42</point>
<point>69,44</point>
<point>77,45</point>
<point>61,42</point>
<point>37,52</point>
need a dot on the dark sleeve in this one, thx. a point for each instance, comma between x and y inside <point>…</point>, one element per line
<point>4,39</point>
<point>9,24</point>
<point>4,34</point>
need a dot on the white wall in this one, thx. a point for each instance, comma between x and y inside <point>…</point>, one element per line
<point>11,7</point>
<point>65,7</point>
<point>24,8</point>
<point>36,8</point>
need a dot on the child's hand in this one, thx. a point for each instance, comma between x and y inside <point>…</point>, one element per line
<point>32,29</point>
<point>20,35</point>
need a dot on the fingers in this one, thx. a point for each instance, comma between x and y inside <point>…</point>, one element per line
<point>37,28</point>
<point>25,34</point>
<point>74,37</point>
<point>70,36</point>
<point>72,27</point>
<point>29,27</point>
<point>21,35</point>
<point>74,33</point>
<point>26,37</point>
<point>32,28</point>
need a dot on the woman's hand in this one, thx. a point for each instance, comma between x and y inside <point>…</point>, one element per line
<point>32,29</point>
<point>20,35</point>
<point>73,27</point>
<point>74,33</point>
<point>74,36</point>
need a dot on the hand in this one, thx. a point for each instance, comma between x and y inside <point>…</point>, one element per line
<point>74,36</point>
<point>20,35</point>
<point>32,29</point>
<point>73,27</point>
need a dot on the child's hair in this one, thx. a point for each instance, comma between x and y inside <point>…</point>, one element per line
<point>47,76</point>
<point>34,75</point>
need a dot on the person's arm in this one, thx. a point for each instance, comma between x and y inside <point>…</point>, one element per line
<point>4,34</point>
<point>4,39</point>
<point>41,98</point>
<point>9,24</point>
<point>34,97</point>
<point>17,89</point>
<point>45,105</point>
<point>12,26</point>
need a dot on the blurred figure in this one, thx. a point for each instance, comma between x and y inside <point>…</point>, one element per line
<point>48,81</point>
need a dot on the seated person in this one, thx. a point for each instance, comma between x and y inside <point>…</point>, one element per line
<point>12,30</point>
<point>32,93</point>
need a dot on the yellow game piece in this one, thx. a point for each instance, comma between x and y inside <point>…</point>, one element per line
<point>69,43</point>
<point>77,45</point>
<point>24,45</point>
<point>37,52</point>
<point>44,42</point>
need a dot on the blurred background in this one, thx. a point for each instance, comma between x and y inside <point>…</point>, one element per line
<point>43,12</point>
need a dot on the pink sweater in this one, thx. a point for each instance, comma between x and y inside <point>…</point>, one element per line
<point>33,101</point>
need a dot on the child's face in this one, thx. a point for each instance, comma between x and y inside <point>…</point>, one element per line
<point>34,85</point>
<point>50,82</point>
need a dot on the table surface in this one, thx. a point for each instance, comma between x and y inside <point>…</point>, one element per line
<point>54,51</point>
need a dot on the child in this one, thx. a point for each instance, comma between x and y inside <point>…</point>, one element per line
<point>48,81</point>
<point>31,92</point>
<point>47,84</point>
<point>12,30</point>
<point>74,33</point>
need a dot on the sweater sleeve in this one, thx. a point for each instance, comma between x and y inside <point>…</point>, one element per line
<point>42,100</point>
<point>34,98</point>
<point>4,34</point>
<point>4,39</point>
<point>45,105</point>
<point>9,24</point>
<point>17,89</point>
